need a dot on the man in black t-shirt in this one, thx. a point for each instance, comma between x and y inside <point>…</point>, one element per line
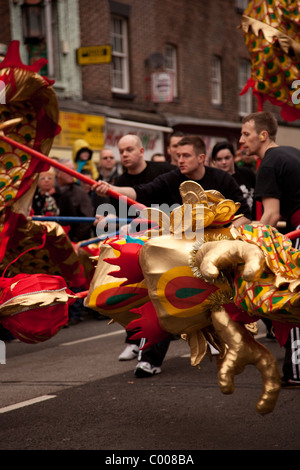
<point>278,188</point>
<point>223,158</point>
<point>278,175</point>
<point>278,179</point>
<point>165,190</point>
<point>137,171</point>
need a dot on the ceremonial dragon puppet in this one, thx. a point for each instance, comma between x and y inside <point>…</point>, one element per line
<point>38,263</point>
<point>211,289</point>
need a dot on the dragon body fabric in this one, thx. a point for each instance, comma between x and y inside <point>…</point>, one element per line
<point>213,287</point>
<point>272,37</point>
<point>37,260</point>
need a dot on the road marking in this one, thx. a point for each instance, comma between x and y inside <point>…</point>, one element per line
<point>5,409</point>
<point>92,338</point>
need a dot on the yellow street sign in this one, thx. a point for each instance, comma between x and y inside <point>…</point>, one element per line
<point>94,55</point>
<point>80,126</point>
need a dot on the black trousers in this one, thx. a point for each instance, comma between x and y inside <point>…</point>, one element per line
<point>291,366</point>
<point>154,354</point>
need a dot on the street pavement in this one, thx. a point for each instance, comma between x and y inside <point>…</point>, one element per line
<point>71,393</point>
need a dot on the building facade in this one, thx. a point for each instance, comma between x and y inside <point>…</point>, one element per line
<point>148,67</point>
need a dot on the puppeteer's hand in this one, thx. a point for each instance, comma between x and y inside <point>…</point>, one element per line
<point>102,220</point>
<point>101,188</point>
<point>125,230</point>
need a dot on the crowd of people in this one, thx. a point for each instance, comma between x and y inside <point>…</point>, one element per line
<point>233,171</point>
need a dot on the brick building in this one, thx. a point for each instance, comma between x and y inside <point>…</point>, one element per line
<point>142,66</point>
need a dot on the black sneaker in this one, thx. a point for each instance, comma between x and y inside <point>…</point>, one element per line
<point>290,383</point>
<point>145,369</point>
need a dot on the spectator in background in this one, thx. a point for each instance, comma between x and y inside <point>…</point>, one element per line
<point>223,158</point>
<point>108,171</point>
<point>82,158</point>
<point>73,201</point>
<point>158,157</point>
<point>43,202</point>
<point>95,199</point>
<point>174,138</point>
<point>242,160</point>
<point>108,168</point>
<point>86,186</point>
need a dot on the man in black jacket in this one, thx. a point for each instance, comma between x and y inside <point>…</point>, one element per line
<point>164,189</point>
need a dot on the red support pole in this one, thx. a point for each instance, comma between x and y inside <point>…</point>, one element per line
<point>293,235</point>
<point>70,171</point>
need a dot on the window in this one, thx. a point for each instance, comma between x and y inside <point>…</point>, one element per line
<point>245,101</point>
<point>47,46</point>
<point>216,81</point>
<point>171,65</point>
<point>120,67</point>
<point>52,40</point>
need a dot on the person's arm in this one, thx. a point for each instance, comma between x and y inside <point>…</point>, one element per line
<point>101,188</point>
<point>241,221</point>
<point>271,214</point>
<point>234,192</point>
